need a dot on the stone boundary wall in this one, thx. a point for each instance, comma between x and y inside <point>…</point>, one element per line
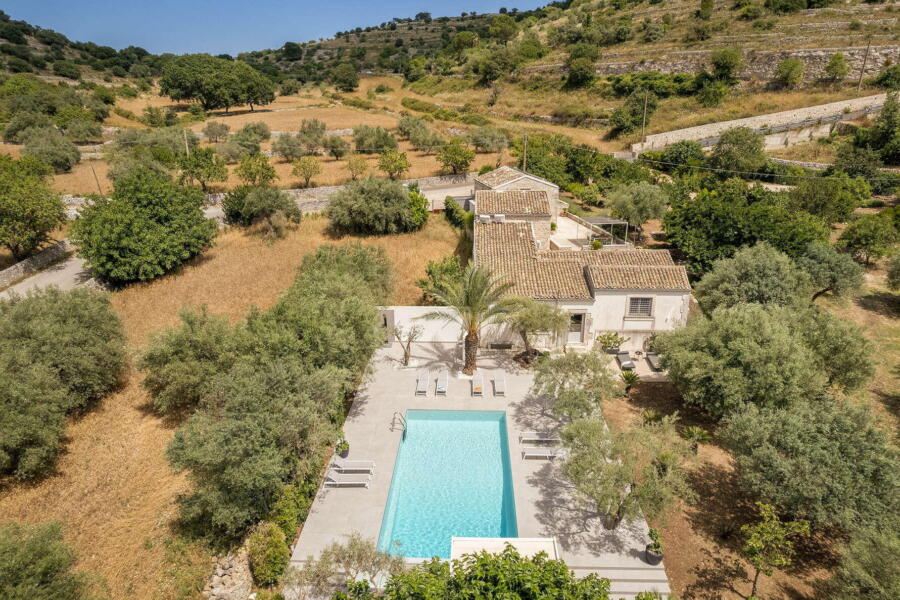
<point>759,64</point>
<point>314,200</point>
<point>35,263</point>
<point>819,166</point>
<point>780,121</point>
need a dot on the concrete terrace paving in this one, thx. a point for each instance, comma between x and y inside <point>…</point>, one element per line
<point>545,506</point>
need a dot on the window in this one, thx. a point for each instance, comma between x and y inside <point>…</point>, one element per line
<point>640,307</point>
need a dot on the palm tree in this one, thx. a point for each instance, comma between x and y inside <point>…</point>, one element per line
<point>475,298</point>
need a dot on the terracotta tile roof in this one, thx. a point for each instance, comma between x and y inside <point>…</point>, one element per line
<point>503,175</point>
<point>670,278</point>
<point>509,249</point>
<point>514,203</point>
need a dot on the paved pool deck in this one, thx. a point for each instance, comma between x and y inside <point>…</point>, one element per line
<point>545,503</point>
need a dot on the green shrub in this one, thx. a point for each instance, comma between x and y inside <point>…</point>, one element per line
<point>637,108</point>
<point>43,380</point>
<point>268,553</point>
<point>29,209</point>
<point>488,139</point>
<point>37,565</point>
<point>663,85</point>
<point>789,72</point>
<point>355,102</point>
<point>454,213</point>
<point>889,78</point>
<point>292,506</point>
<point>50,146</point>
<point>373,206</point>
<point>66,69</point>
<point>149,226</point>
<point>373,140</point>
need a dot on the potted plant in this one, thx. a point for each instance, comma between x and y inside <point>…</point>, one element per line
<point>342,448</point>
<point>610,341</point>
<point>653,554</point>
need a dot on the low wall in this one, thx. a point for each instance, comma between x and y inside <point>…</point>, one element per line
<point>770,124</point>
<point>435,331</point>
<point>26,267</point>
<point>314,200</point>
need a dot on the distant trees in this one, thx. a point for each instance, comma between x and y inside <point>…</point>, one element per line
<point>833,198</point>
<point>49,145</point>
<point>42,381</point>
<point>215,82</point>
<point>739,150</point>
<point>344,77</point>
<point>336,146</point>
<point>638,202</point>
<point>634,112</point>
<point>789,72</point>
<point>149,226</point>
<point>255,170</point>
<point>373,140</point>
<point>870,236</point>
<point>837,68</point>
<point>375,206</point>
<point>488,139</point>
<point>37,565</point>
<point>306,167</point>
<point>503,28</point>
<point>394,163</point>
<point>455,156</point>
<point>29,209</point>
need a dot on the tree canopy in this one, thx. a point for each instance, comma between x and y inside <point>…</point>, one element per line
<point>29,209</point>
<point>375,206</point>
<point>215,82</point>
<point>149,226</point>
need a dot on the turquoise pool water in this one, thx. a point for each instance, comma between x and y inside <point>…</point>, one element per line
<point>452,478</point>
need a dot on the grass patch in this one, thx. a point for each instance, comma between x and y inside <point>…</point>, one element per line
<point>431,85</point>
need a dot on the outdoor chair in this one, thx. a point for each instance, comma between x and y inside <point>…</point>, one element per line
<point>625,361</point>
<point>443,379</point>
<point>538,436</point>
<point>342,465</point>
<point>333,479</point>
<point>422,378</point>
<point>544,453</point>
<point>500,385</point>
<point>478,385</point>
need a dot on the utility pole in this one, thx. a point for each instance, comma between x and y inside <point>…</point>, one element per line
<point>187,149</point>
<point>862,71</point>
<point>96,179</point>
<point>644,120</point>
<point>525,155</point>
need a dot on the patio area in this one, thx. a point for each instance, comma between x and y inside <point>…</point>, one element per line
<point>545,505</point>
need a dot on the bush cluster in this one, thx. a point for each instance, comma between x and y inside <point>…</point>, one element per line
<point>267,393</point>
<point>60,352</point>
<point>376,206</point>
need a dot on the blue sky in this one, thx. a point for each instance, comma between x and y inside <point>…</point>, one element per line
<point>230,26</point>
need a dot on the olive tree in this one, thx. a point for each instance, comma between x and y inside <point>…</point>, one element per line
<point>739,150</point>
<point>52,147</point>
<point>822,460</point>
<point>758,274</point>
<point>637,203</point>
<point>626,475</point>
<point>578,384</point>
<point>307,168</point>
<point>374,206</point>
<point>528,317</point>
<point>38,565</point>
<point>869,237</point>
<point>830,271</point>
<point>29,209</point>
<point>455,156</point>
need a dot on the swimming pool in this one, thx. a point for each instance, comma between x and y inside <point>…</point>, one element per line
<point>452,478</point>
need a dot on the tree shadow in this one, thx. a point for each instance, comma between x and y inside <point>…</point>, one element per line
<point>535,412</point>
<point>883,303</point>
<point>716,576</point>
<point>721,506</point>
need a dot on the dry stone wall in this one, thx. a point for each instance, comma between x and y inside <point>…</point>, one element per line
<point>35,263</point>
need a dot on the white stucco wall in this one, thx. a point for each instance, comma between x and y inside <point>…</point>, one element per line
<point>439,330</point>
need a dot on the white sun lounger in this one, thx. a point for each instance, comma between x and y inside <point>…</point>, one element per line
<point>333,479</point>
<point>542,453</point>
<point>342,465</point>
<point>538,436</point>
<point>422,378</point>
<point>478,385</point>
<point>443,378</point>
<point>500,385</point>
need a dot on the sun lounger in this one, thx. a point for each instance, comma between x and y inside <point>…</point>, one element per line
<point>422,378</point>
<point>500,385</point>
<point>342,465</point>
<point>443,378</point>
<point>478,385</point>
<point>542,453</point>
<point>538,436</point>
<point>653,361</point>
<point>625,361</point>
<point>333,479</point>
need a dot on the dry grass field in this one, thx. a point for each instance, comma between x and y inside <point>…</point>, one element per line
<point>113,490</point>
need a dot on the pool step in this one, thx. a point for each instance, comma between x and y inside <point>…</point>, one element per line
<point>627,582</point>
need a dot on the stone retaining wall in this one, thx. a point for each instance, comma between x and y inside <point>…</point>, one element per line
<point>42,259</point>
<point>801,118</point>
<point>758,64</point>
<point>314,200</point>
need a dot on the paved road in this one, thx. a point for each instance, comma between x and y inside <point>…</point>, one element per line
<point>67,274</point>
